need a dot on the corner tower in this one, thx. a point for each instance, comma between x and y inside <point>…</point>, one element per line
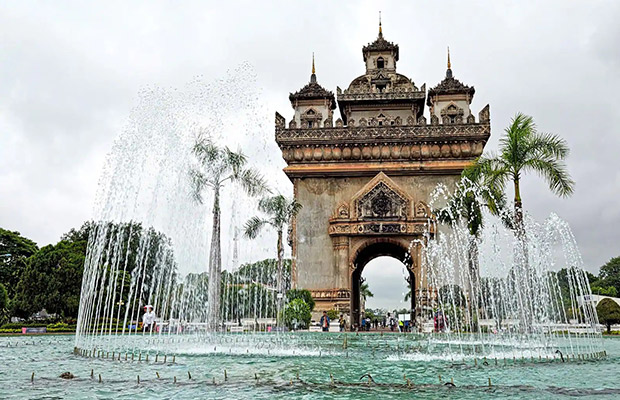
<point>313,105</point>
<point>449,101</point>
<point>365,181</point>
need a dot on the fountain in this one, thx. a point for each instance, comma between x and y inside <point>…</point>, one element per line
<point>148,246</point>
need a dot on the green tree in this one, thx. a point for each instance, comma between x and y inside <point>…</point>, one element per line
<point>52,280</point>
<point>610,274</point>
<point>280,211</point>
<point>451,295</point>
<point>4,304</point>
<point>217,166</point>
<point>14,252</point>
<point>297,314</point>
<point>605,291</point>
<point>265,272</point>
<point>365,291</point>
<point>608,313</point>
<point>302,294</point>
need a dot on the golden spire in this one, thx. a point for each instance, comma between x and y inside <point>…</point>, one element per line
<point>313,70</point>
<point>449,65</point>
<point>380,30</point>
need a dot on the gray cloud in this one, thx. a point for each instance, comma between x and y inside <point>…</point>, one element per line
<point>71,72</point>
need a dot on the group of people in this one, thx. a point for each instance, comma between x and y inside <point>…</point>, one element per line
<point>325,322</point>
<point>367,323</point>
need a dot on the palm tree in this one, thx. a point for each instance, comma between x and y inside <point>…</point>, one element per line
<point>280,211</point>
<point>217,166</point>
<point>523,149</point>
<point>365,292</point>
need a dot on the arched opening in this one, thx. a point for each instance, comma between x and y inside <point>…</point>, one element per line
<point>380,63</point>
<point>365,256</point>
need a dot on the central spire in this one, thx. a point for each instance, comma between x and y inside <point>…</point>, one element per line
<point>313,76</point>
<point>449,70</point>
<point>380,30</point>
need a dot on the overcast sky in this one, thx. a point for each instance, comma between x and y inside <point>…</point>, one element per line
<point>71,71</point>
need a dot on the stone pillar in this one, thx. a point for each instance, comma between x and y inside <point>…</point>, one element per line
<point>341,262</point>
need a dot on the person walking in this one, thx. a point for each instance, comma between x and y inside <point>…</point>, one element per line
<point>342,323</point>
<point>325,322</point>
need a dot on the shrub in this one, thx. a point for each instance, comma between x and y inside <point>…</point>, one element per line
<point>302,294</point>
<point>333,315</point>
<point>297,314</point>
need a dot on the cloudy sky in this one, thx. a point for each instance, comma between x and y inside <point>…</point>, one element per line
<point>71,71</point>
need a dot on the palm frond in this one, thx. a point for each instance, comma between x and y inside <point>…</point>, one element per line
<point>293,208</point>
<point>253,226</point>
<point>548,145</point>
<point>235,161</point>
<point>198,182</point>
<point>252,182</point>
<point>555,173</point>
<point>206,151</point>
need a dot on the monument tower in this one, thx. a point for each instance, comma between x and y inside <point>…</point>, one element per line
<point>364,179</point>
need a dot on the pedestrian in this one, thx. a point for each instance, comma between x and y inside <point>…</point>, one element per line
<point>363,324</point>
<point>148,319</point>
<point>325,322</point>
<point>342,323</point>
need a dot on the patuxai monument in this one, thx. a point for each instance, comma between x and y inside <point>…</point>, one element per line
<point>364,163</point>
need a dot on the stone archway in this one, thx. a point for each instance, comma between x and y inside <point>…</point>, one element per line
<point>368,251</point>
<point>380,219</point>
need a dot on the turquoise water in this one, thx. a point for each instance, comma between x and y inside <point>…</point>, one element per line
<point>260,373</point>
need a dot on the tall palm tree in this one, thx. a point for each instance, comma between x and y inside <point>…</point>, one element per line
<point>216,167</point>
<point>523,149</point>
<point>280,211</point>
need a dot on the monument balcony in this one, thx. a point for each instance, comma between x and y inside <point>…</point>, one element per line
<point>354,96</point>
<point>366,149</point>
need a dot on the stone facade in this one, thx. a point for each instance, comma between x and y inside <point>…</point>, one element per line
<point>364,180</point>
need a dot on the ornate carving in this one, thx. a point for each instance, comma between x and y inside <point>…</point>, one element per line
<point>422,120</point>
<point>422,210</point>
<point>386,133</point>
<point>292,124</point>
<point>398,121</point>
<point>310,118</point>
<point>280,121</point>
<point>313,91</point>
<point>485,115</point>
<point>452,114</point>
<point>380,203</point>
<point>471,119</point>
<point>343,211</point>
<point>434,120</point>
<point>339,123</point>
<point>450,85</point>
<point>380,44</point>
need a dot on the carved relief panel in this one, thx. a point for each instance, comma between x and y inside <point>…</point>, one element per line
<point>381,203</point>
